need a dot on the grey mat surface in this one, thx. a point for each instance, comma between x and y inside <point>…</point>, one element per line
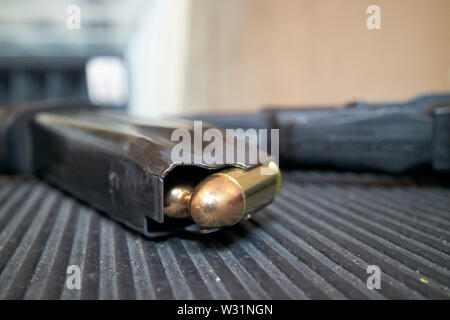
<point>314,242</point>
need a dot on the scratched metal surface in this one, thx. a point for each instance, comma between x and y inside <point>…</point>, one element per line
<point>314,242</point>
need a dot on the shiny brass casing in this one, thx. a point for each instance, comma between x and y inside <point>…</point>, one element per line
<point>222,199</point>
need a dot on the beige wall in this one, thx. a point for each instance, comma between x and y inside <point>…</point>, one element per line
<point>245,54</point>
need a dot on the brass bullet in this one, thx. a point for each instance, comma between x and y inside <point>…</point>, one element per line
<point>223,198</point>
<point>176,201</point>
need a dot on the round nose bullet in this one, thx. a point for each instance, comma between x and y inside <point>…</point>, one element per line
<point>223,198</point>
<point>217,201</point>
<point>176,201</point>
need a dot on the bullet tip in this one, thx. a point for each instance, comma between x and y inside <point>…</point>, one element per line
<point>218,201</point>
<point>176,201</point>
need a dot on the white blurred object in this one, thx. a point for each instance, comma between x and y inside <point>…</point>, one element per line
<point>157,58</point>
<point>107,81</point>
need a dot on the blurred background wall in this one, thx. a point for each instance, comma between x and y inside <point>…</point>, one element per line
<point>42,58</point>
<point>187,56</point>
<point>244,54</point>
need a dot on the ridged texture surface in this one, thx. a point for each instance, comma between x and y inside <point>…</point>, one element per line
<point>314,242</point>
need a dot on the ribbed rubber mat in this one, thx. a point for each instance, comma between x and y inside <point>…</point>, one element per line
<point>314,242</point>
